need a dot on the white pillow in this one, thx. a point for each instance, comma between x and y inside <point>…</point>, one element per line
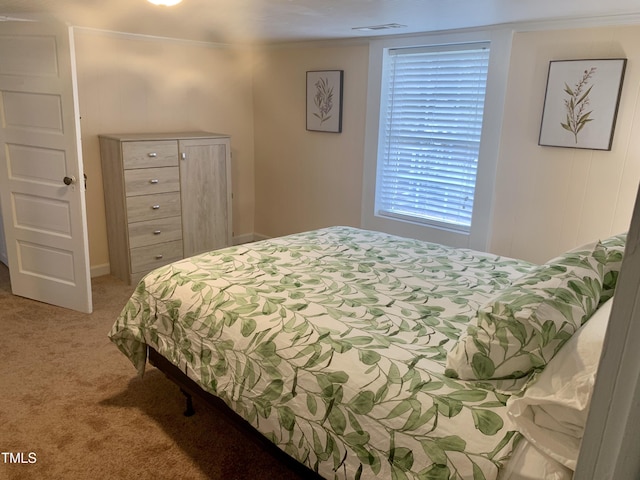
<point>553,410</point>
<point>528,463</point>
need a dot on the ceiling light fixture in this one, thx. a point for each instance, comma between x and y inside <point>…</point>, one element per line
<point>165,3</point>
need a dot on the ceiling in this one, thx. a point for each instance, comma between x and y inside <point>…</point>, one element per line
<point>273,21</point>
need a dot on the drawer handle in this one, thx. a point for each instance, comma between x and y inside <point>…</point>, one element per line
<point>157,232</point>
<point>153,154</point>
<point>155,207</point>
<point>158,257</point>
<point>154,181</point>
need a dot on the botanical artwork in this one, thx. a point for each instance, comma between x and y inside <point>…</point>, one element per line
<point>324,101</point>
<point>577,103</point>
<point>581,103</point>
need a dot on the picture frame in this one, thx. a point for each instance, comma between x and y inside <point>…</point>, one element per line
<point>324,100</point>
<point>581,103</point>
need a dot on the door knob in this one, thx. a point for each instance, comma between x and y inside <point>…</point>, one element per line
<point>69,180</point>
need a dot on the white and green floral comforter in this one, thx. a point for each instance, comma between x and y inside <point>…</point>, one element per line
<point>333,344</point>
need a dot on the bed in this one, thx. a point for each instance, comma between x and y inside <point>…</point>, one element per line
<point>365,355</point>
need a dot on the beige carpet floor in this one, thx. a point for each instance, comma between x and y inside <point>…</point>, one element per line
<point>72,402</point>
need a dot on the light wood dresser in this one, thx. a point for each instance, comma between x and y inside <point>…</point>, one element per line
<point>167,197</point>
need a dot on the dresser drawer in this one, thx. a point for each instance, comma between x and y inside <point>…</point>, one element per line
<point>145,259</point>
<point>149,154</point>
<point>154,231</point>
<point>151,180</point>
<point>150,207</point>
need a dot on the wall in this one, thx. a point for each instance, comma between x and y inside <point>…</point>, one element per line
<point>133,84</point>
<point>305,179</point>
<point>546,199</point>
<point>550,199</point>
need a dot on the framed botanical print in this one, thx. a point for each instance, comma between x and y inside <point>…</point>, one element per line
<point>324,100</point>
<point>581,103</point>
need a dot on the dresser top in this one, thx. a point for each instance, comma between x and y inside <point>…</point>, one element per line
<point>136,137</point>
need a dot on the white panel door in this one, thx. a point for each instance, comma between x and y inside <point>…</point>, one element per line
<point>41,176</point>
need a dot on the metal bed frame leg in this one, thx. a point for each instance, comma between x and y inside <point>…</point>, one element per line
<point>190,410</point>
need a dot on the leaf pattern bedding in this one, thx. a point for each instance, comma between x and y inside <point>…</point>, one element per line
<point>333,344</point>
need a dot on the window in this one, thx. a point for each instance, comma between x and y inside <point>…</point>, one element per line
<point>430,126</point>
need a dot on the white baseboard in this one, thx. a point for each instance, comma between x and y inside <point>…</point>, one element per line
<point>100,270</point>
<point>258,236</point>
<point>245,238</point>
<point>249,237</point>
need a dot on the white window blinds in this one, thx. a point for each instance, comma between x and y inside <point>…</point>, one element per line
<point>431,120</point>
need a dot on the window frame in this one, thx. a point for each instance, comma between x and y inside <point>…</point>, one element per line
<point>478,235</point>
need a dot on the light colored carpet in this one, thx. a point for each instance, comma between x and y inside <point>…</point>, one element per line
<point>72,399</point>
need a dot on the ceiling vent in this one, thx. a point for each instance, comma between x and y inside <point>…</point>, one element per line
<point>4,18</point>
<point>386,26</point>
